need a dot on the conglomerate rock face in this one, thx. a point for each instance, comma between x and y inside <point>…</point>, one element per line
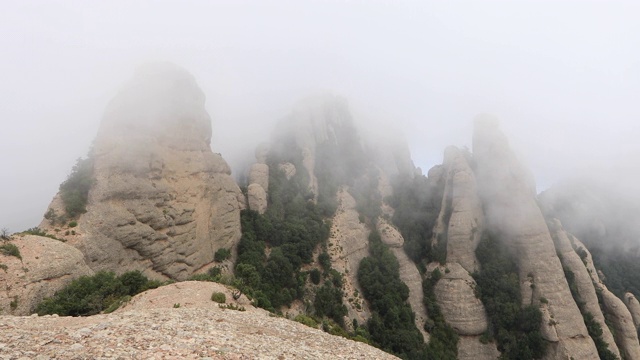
<point>466,219</point>
<point>47,265</point>
<point>508,194</point>
<point>161,202</point>
<point>583,281</point>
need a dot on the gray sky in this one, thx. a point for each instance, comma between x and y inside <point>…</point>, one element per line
<point>563,76</point>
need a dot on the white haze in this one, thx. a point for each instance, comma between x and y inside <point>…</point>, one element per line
<point>563,76</point>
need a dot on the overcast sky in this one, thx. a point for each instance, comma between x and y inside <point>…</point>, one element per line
<point>563,76</point>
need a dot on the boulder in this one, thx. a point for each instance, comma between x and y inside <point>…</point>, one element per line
<point>47,265</point>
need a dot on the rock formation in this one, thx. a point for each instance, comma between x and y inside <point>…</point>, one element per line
<point>466,219</point>
<point>583,281</point>
<point>47,265</point>
<point>634,308</point>
<point>161,201</point>
<point>508,193</point>
<point>348,244</point>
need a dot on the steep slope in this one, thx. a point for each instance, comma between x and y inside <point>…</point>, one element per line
<point>160,200</point>
<point>508,194</point>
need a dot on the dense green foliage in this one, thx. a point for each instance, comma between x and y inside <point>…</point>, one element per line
<point>222,255</point>
<point>391,326</point>
<point>10,249</point>
<point>89,295</point>
<point>328,302</point>
<point>292,227</point>
<point>516,329</point>
<point>417,205</point>
<point>594,329</point>
<point>75,190</point>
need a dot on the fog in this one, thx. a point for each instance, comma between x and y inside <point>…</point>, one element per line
<point>563,77</point>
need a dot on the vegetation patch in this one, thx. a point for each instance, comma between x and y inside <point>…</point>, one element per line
<point>10,249</point>
<point>75,190</point>
<point>444,340</point>
<point>90,295</point>
<point>222,254</point>
<point>515,328</point>
<point>392,327</point>
<point>219,297</point>
<point>417,205</point>
<point>39,232</point>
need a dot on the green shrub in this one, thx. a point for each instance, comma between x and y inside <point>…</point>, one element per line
<point>38,232</point>
<point>10,249</point>
<point>315,276</point>
<point>221,255</point>
<point>218,297</point>
<point>89,295</point>
<point>306,320</point>
<point>75,190</point>
<point>176,305</point>
<point>73,223</point>
<point>4,267</point>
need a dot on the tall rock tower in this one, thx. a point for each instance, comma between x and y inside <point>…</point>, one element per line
<point>160,200</point>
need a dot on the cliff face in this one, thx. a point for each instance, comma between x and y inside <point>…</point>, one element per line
<point>161,201</point>
<point>508,194</point>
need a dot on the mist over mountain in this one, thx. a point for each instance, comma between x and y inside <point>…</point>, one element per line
<point>437,181</point>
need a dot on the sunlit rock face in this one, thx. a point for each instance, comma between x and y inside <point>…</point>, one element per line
<point>161,201</point>
<point>508,194</point>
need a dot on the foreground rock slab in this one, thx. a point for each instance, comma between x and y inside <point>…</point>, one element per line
<point>195,330</point>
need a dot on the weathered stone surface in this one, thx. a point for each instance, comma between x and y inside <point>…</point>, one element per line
<point>162,202</point>
<point>583,281</point>
<point>634,308</point>
<point>259,174</point>
<point>348,244</point>
<point>410,275</point>
<point>456,297</point>
<point>624,329</point>
<point>257,198</point>
<point>47,266</point>
<point>470,348</point>
<point>508,193</point>
<point>466,220</point>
